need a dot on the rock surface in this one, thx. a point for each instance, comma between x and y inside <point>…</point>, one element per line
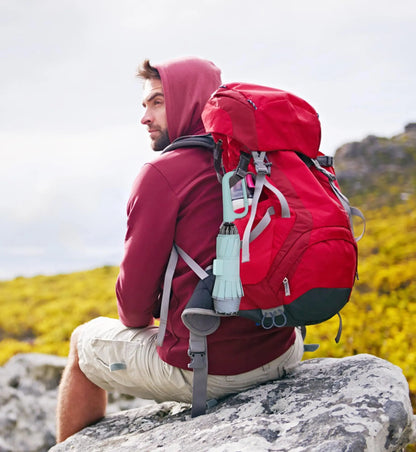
<point>359,403</point>
<point>28,392</point>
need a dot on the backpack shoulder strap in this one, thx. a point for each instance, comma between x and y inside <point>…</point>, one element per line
<point>201,320</point>
<point>324,160</point>
<point>167,285</point>
<point>191,141</point>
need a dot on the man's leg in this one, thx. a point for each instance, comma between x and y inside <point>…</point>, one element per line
<point>80,402</point>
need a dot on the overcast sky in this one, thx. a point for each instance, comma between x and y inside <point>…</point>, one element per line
<point>70,139</point>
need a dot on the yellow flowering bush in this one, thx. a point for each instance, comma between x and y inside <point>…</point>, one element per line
<point>38,314</point>
<point>379,319</point>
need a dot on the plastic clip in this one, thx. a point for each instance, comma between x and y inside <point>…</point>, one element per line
<point>197,360</point>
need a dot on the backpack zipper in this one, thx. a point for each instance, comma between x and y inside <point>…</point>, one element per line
<point>286,286</point>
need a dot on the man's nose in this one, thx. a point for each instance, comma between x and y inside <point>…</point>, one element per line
<point>146,118</point>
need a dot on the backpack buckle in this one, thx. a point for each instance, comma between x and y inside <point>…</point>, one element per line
<point>261,162</point>
<point>198,360</point>
<point>329,175</point>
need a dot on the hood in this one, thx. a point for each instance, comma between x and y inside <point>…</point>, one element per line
<point>187,85</point>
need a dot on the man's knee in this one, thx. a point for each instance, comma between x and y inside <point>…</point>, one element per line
<point>73,345</point>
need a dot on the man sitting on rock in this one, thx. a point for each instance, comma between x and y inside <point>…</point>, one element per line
<point>175,199</point>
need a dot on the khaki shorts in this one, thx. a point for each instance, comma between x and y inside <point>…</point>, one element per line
<point>125,360</point>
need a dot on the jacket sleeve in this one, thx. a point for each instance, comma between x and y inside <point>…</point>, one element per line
<point>151,218</point>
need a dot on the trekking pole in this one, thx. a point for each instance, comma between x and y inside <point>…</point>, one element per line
<point>228,290</point>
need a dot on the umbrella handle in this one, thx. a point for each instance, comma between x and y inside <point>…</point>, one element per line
<point>229,215</point>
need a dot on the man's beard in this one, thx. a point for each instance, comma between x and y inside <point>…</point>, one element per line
<point>162,141</point>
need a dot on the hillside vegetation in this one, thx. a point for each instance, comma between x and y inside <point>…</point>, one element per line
<point>38,314</point>
<point>380,317</point>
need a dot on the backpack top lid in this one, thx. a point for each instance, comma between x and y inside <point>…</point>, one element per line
<point>259,118</point>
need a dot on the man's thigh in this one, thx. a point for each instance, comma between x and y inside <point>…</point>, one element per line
<point>125,360</point>
<point>117,358</point>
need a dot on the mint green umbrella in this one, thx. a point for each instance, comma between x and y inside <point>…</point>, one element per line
<point>227,291</point>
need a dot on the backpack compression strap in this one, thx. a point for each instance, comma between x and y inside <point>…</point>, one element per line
<point>262,171</point>
<point>320,163</point>
<point>351,211</point>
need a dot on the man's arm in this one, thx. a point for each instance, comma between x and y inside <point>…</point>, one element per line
<point>152,212</point>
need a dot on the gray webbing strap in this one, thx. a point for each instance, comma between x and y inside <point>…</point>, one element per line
<point>199,363</point>
<point>197,342</point>
<point>262,224</point>
<point>261,182</point>
<point>199,271</point>
<point>197,351</point>
<point>357,213</point>
<point>245,254</point>
<point>343,199</point>
<point>280,196</point>
<point>167,285</point>
<point>351,211</point>
<point>200,322</point>
<point>260,162</point>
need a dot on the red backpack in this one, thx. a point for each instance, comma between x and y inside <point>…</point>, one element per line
<point>305,260</point>
<point>298,259</point>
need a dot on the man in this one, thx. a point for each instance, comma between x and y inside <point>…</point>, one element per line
<point>175,198</point>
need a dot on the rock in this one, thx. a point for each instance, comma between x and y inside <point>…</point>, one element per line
<point>359,403</point>
<point>378,169</point>
<point>28,402</point>
<point>411,127</point>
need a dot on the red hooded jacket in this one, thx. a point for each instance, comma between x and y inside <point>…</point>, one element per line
<point>177,198</point>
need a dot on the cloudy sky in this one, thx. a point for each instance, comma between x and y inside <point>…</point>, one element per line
<point>70,139</point>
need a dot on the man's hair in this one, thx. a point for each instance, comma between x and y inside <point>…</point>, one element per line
<point>146,71</point>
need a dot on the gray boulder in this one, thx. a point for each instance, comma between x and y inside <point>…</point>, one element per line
<point>28,393</point>
<point>359,403</point>
<point>27,402</point>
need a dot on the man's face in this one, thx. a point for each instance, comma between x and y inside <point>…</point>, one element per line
<point>154,117</point>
